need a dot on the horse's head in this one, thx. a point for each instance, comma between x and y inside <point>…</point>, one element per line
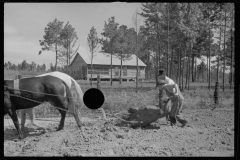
<point>8,84</point>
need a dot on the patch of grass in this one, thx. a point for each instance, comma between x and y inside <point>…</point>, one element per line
<point>119,98</point>
<point>10,74</point>
<point>123,100</point>
<point>118,101</point>
<point>204,99</point>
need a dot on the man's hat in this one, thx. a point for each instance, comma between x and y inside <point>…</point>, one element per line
<point>161,71</point>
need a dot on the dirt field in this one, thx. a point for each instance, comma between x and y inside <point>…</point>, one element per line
<point>210,133</point>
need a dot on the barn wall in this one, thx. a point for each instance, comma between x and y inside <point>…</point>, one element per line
<point>78,68</point>
<point>105,71</point>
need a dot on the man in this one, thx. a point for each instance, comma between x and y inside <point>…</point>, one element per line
<point>174,94</point>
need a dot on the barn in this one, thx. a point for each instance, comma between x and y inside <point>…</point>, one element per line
<point>80,67</point>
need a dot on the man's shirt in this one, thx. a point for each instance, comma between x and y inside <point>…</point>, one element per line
<point>169,86</point>
<point>169,81</point>
<point>170,89</point>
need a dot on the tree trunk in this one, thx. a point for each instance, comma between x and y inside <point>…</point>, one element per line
<point>193,67</point>
<point>179,78</point>
<point>171,64</point>
<point>203,75</point>
<point>183,69</point>
<point>207,70</point>
<point>177,74</point>
<point>189,69</point>
<point>160,63</point>
<point>136,56</point>
<point>56,57</point>
<point>209,63</point>
<point>120,81</point>
<point>149,67</point>
<point>186,80</point>
<point>231,69</point>
<point>157,59</point>
<point>198,74</point>
<point>111,69</point>
<point>224,51</point>
<point>91,69</point>
<point>168,40</point>
<point>67,60</point>
<point>186,73</point>
<point>219,50</point>
<point>156,70</point>
<point>137,73</point>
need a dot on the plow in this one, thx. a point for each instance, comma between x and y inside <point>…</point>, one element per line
<point>143,116</point>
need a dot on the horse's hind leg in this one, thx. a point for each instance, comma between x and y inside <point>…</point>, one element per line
<point>61,124</point>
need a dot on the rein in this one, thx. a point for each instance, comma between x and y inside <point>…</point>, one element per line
<point>102,110</point>
<point>38,102</point>
<point>39,92</point>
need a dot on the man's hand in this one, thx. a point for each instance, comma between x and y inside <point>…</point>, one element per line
<point>165,100</point>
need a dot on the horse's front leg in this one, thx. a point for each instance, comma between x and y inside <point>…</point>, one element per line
<point>23,118</point>
<point>12,113</point>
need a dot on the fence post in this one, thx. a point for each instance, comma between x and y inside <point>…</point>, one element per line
<point>98,82</point>
<point>18,76</point>
<point>216,95</point>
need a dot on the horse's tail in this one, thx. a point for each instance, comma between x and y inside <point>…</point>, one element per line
<point>79,93</point>
<point>72,107</point>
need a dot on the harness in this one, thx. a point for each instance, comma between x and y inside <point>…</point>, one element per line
<point>24,94</point>
<point>16,86</point>
<point>6,94</point>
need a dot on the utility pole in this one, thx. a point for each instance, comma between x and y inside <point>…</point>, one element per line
<point>136,21</point>
<point>168,39</point>
<point>136,55</point>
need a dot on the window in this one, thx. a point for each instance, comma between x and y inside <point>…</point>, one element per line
<point>116,71</point>
<point>99,70</point>
<point>106,71</point>
<point>124,71</point>
<point>139,71</point>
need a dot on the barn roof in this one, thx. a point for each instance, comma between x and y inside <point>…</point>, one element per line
<point>104,59</point>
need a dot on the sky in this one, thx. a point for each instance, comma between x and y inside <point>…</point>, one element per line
<point>24,25</point>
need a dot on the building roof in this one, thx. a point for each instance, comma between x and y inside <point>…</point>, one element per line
<point>105,59</point>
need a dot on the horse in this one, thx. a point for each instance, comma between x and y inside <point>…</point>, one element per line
<point>54,87</point>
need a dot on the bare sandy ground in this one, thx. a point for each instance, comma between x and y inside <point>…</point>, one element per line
<point>210,133</point>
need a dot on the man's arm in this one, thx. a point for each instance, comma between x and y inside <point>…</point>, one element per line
<point>171,87</point>
<point>175,88</point>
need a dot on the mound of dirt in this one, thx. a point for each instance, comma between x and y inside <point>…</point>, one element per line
<point>144,116</point>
